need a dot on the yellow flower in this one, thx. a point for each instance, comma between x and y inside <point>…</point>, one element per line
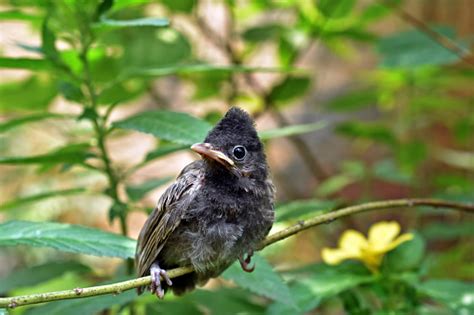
<point>353,245</point>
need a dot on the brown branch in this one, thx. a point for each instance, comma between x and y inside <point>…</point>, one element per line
<point>119,287</point>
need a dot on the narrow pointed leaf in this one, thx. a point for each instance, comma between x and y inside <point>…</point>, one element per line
<point>29,199</point>
<point>291,130</point>
<point>66,237</point>
<point>136,192</point>
<point>171,126</point>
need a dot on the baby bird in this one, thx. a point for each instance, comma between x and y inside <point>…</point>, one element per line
<point>217,211</point>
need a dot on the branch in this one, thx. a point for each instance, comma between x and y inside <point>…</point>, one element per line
<point>119,287</point>
<point>444,41</point>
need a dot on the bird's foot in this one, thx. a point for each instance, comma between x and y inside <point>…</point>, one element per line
<point>156,274</point>
<point>245,262</point>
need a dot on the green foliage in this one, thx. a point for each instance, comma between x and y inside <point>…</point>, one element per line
<point>404,128</point>
<point>37,274</point>
<point>263,281</point>
<point>415,49</point>
<point>66,237</point>
<point>171,126</point>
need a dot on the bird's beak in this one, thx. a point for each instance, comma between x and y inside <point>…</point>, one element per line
<point>207,150</point>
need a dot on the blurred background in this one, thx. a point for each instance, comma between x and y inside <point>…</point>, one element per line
<point>381,93</point>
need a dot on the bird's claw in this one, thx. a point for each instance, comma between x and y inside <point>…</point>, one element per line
<point>157,275</point>
<point>245,262</point>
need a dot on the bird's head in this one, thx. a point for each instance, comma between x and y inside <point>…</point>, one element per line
<point>233,145</point>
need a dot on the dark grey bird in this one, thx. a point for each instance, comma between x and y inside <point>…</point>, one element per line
<point>217,211</point>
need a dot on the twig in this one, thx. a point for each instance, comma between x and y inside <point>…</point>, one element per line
<point>119,287</point>
<point>442,40</point>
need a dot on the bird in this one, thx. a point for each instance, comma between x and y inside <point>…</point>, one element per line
<point>216,212</point>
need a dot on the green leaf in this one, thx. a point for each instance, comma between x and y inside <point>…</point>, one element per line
<point>336,9</point>
<point>169,46</point>
<point>41,91</point>
<point>32,198</point>
<point>48,41</point>
<point>334,184</point>
<point>171,126</point>
<point>25,63</point>
<point>66,237</point>
<point>457,295</point>
<point>414,49</point>
<point>371,131</point>
<point>304,298</point>
<point>37,274</point>
<point>448,231</point>
<point>407,256</point>
<point>327,281</point>
<point>263,281</point>
<point>291,130</point>
<point>107,24</point>
<point>262,33</point>
<point>18,15</point>
<point>164,149</point>
<point>185,6</point>
<point>388,171</point>
<point>302,208</point>
<point>354,100</point>
<point>290,88</point>
<point>91,305</point>
<point>70,91</point>
<point>12,123</point>
<point>70,154</point>
<point>194,68</point>
<point>136,192</point>
<point>103,7</point>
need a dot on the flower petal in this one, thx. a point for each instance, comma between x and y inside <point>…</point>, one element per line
<point>382,234</point>
<point>401,239</point>
<point>353,242</point>
<point>334,256</point>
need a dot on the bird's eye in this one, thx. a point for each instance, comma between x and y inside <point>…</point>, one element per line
<point>239,152</point>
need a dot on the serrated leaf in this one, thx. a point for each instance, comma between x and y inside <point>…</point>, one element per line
<point>263,280</point>
<point>37,274</point>
<point>92,305</point>
<point>12,123</point>
<point>25,63</point>
<point>66,237</point>
<point>171,126</point>
<point>136,192</point>
<point>290,88</point>
<point>291,130</point>
<point>301,208</point>
<point>70,154</point>
<point>32,198</point>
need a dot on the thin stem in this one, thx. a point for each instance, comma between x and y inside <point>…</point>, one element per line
<point>439,38</point>
<point>119,287</point>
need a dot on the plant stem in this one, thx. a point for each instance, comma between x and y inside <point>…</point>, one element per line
<point>119,287</point>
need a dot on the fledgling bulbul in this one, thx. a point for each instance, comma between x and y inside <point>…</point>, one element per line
<point>217,211</point>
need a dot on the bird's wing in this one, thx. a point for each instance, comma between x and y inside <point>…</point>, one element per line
<point>166,216</point>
